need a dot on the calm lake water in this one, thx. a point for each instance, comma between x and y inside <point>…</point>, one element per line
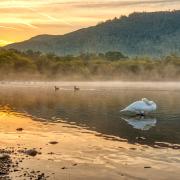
<point>97,107</point>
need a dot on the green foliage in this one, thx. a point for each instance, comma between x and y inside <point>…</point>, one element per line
<point>114,55</point>
<point>108,66</point>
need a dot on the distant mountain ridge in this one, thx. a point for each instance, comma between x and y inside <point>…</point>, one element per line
<point>139,34</point>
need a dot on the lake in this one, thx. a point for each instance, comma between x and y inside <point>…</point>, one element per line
<point>90,130</point>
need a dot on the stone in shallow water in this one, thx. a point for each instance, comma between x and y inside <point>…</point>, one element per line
<point>53,142</point>
<point>147,167</point>
<point>5,163</point>
<point>31,152</point>
<point>19,129</point>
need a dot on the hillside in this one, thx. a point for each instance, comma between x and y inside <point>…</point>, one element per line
<point>153,34</point>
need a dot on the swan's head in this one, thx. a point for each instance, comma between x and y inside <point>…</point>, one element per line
<point>147,101</point>
<point>151,103</point>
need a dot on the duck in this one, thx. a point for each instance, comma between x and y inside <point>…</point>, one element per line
<point>141,107</point>
<point>56,88</point>
<point>76,88</point>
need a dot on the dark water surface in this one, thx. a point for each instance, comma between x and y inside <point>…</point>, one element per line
<point>98,109</point>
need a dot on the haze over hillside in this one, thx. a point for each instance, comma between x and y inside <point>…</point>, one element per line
<point>153,34</point>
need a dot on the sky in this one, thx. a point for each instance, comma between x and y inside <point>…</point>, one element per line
<point>23,19</point>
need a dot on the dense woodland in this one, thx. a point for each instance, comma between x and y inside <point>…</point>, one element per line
<point>152,34</point>
<point>15,65</point>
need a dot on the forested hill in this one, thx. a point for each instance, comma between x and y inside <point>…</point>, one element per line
<point>154,34</point>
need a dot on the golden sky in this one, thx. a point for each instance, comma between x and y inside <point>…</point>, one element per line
<point>22,19</point>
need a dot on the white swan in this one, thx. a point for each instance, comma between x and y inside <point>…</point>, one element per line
<point>141,107</point>
<point>141,123</point>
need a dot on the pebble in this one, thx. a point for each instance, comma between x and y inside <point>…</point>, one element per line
<point>31,152</point>
<point>19,129</point>
<point>4,156</point>
<point>53,142</point>
<point>146,167</point>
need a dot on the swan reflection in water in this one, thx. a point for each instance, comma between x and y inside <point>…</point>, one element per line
<point>141,122</point>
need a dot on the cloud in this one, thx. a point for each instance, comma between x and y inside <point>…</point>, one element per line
<point>8,10</point>
<point>51,25</point>
<point>29,25</point>
<point>21,3</point>
<point>13,23</point>
<point>9,27</point>
<point>79,3</point>
<point>50,17</point>
<point>117,4</point>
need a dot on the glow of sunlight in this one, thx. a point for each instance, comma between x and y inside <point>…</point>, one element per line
<point>3,42</point>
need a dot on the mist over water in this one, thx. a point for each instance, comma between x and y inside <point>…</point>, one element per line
<point>97,107</point>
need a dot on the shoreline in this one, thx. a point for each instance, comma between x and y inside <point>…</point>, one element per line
<point>59,156</point>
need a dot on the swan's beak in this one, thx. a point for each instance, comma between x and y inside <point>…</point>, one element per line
<point>123,110</point>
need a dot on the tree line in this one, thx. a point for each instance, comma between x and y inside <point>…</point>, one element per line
<point>113,65</point>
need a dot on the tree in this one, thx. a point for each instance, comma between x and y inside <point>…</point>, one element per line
<point>114,55</point>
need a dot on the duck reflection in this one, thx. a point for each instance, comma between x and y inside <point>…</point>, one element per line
<point>141,122</point>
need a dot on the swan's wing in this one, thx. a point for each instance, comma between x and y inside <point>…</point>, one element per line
<point>136,107</point>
